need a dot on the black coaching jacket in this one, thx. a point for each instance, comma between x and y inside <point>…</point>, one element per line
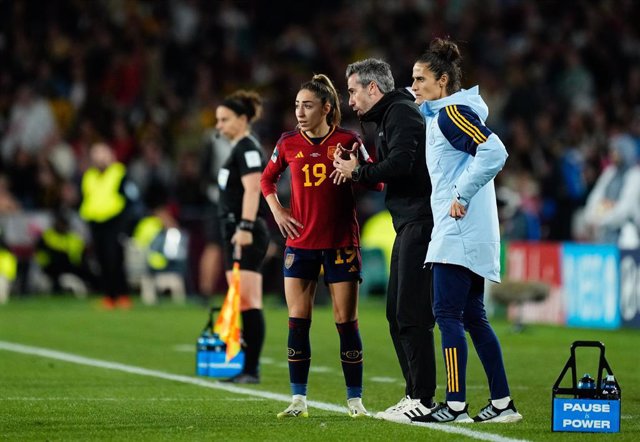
<point>401,164</point>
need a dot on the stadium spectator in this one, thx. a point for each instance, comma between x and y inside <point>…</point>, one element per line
<point>31,123</point>
<point>614,202</point>
<point>8,203</point>
<point>215,152</point>
<point>463,157</point>
<point>191,200</point>
<point>122,141</point>
<point>321,231</point>
<point>106,194</point>
<point>152,172</point>
<point>400,147</point>
<point>242,210</point>
<point>8,269</point>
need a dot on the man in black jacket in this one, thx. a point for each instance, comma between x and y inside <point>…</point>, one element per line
<point>400,144</point>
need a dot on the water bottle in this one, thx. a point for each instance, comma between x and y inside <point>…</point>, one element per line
<point>216,349</point>
<point>202,354</point>
<point>609,388</point>
<point>586,382</point>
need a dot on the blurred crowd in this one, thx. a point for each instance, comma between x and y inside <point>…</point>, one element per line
<point>562,81</point>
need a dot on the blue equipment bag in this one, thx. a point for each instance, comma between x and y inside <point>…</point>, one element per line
<point>595,403</point>
<point>211,353</point>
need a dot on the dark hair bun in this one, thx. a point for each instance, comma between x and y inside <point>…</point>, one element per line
<point>446,50</point>
<point>251,101</point>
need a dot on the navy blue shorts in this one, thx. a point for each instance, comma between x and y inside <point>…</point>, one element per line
<point>339,265</point>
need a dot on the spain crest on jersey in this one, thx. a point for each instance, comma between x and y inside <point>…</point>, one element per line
<point>331,150</point>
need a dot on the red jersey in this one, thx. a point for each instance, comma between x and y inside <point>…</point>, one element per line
<point>327,211</point>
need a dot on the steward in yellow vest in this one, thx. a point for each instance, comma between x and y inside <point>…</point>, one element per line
<point>61,250</point>
<point>104,203</point>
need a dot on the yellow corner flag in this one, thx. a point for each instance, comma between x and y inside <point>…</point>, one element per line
<point>228,323</point>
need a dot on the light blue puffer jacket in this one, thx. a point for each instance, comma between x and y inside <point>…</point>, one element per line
<point>463,157</point>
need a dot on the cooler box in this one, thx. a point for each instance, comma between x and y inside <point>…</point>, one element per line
<point>211,354</point>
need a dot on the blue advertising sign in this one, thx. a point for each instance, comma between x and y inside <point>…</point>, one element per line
<point>591,285</point>
<point>630,288</point>
<point>586,415</point>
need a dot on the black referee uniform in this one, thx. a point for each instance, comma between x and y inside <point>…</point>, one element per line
<point>245,158</point>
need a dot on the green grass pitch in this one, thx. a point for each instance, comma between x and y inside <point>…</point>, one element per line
<point>45,398</point>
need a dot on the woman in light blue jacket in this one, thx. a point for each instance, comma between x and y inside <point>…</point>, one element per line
<point>463,157</point>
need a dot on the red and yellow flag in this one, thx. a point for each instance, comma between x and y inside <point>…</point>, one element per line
<point>228,323</point>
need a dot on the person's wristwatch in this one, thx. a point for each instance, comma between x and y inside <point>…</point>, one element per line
<point>355,174</point>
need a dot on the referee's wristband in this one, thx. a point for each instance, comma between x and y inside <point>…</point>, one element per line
<point>246,225</point>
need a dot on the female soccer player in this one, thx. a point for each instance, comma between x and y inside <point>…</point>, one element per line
<point>321,231</point>
<point>242,210</point>
<point>463,157</point>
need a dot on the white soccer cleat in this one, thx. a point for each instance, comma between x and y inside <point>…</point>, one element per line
<point>356,408</point>
<point>298,408</point>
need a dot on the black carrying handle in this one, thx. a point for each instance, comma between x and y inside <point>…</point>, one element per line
<point>571,363</point>
<point>209,326</point>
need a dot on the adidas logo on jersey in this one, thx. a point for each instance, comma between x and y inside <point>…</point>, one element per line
<point>299,155</point>
<point>353,269</point>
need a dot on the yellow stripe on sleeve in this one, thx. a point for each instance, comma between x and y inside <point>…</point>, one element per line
<point>464,119</point>
<point>464,125</point>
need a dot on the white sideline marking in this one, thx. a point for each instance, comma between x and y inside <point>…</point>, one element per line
<point>320,369</point>
<point>119,399</point>
<point>81,360</point>
<point>383,379</point>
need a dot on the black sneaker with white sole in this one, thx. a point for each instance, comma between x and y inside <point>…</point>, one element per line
<point>493,414</point>
<point>442,413</point>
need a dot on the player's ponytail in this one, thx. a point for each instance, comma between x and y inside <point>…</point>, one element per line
<point>324,89</point>
<point>443,57</point>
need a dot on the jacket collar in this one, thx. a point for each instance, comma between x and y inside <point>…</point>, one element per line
<point>377,111</point>
<point>469,97</point>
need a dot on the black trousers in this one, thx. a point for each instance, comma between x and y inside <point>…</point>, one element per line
<point>107,243</point>
<point>410,310</point>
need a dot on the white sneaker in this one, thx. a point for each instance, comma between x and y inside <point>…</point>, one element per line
<point>412,408</point>
<point>356,409</point>
<point>393,408</point>
<point>494,414</point>
<point>298,408</point>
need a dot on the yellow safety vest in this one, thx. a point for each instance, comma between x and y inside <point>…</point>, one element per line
<point>101,199</point>
<point>143,235</point>
<point>8,265</point>
<point>70,244</point>
<point>146,230</point>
